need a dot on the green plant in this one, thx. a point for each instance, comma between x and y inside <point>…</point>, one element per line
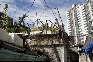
<point>21,29</point>
<point>10,30</point>
<point>5,17</point>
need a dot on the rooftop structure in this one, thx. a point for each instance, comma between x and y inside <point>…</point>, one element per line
<point>80,20</point>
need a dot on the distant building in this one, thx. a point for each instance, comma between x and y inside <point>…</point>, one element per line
<point>80,18</point>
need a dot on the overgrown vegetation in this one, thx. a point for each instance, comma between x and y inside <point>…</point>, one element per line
<point>7,22</point>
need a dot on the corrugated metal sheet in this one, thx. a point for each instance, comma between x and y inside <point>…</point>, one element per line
<point>6,55</point>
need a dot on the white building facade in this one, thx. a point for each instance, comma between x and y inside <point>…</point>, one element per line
<point>80,19</point>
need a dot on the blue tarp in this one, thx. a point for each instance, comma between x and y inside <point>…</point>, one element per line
<point>88,49</point>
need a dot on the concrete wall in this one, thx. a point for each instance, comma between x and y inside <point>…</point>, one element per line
<point>16,39</point>
<point>85,58</point>
<point>10,38</point>
<point>57,52</point>
<point>53,55</point>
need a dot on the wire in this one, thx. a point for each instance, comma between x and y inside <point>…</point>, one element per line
<point>47,5</point>
<point>59,14</point>
<point>53,12</point>
<point>32,4</point>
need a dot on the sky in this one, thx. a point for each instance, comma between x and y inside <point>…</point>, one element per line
<point>44,9</point>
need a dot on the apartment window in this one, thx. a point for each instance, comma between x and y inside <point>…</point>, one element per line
<point>85,23</point>
<point>85,27</point>
<point>79,17</point>
<point>68,16</point>
<point>82,8</point>
<point>79,20</point>
<point>84,19</point>
<point>77,6</point>
<point>90,22</point>
<point>83,14</point>
<point>92,9</point>
<point>88,16</point>
<point>79,24</point>
<point>80,30</point>
<point>81,38</point>
<point>87,12</point>
<point>91,2</point>
<point>87,7</point>
<point>78,13</point>
<point>92,13</point>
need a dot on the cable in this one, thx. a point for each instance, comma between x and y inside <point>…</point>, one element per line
<point>54,12</point>
<point>47,5</point>
<point>59,14</point>
<point>32,4</point>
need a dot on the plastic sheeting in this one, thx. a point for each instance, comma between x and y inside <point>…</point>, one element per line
<point>88,49</point>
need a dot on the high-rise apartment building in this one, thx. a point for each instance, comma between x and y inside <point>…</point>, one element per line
<point>80,19</point>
